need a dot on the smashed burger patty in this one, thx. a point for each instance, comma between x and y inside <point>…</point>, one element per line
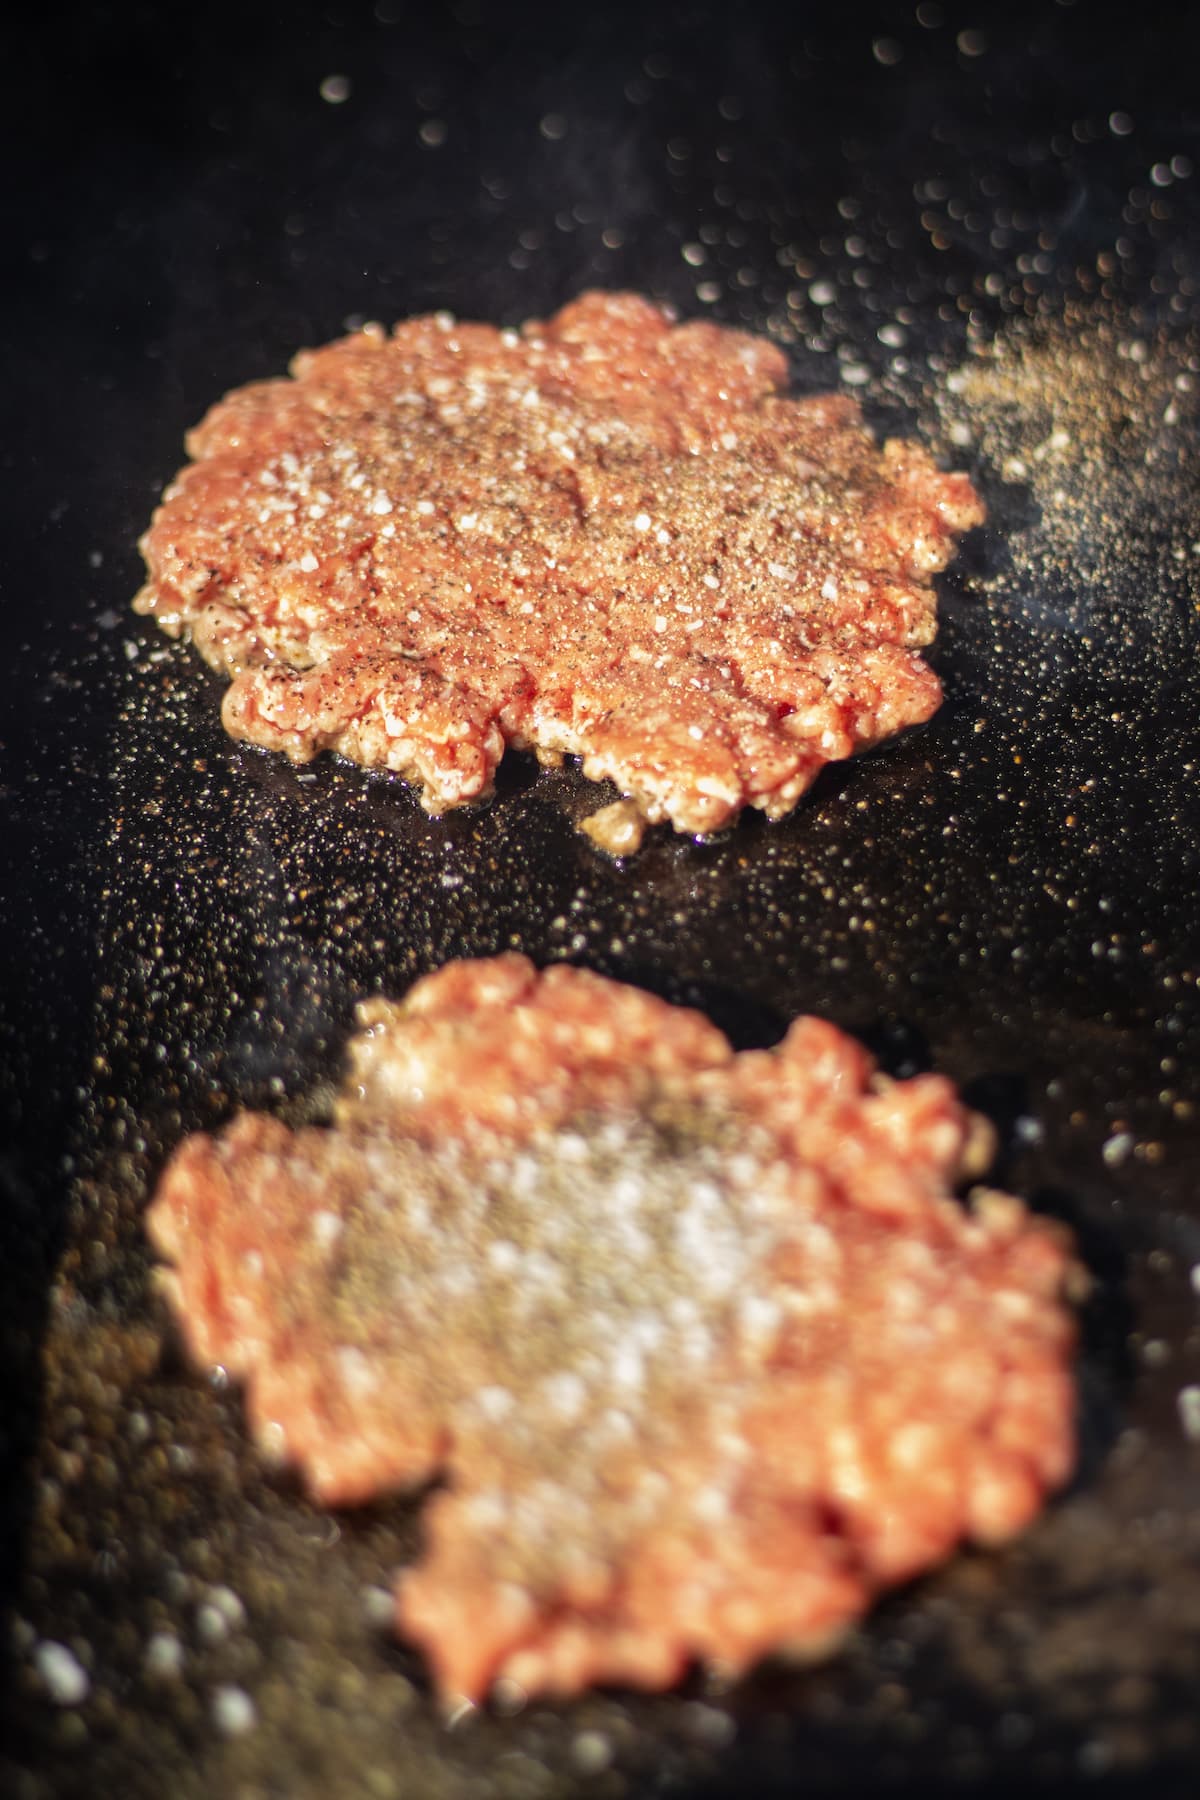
<point>702,1347</point>
<point>605,535</point>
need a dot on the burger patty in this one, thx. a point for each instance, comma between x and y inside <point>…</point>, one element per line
<point>605,535</point>
<point>701,1343</point>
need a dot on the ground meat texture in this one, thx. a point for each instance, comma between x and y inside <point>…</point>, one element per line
<point>701,1344</point>
<point>605,535</point>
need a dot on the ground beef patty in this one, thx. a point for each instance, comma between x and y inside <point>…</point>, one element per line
<point>701,1345</point>
<point>605,535</point>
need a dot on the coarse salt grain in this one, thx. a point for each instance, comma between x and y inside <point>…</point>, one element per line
<point>163,1658</point>
<point>326,1227</point>
<point>1117,1149</point>
<point>379,1605</point>
<point>1189,1413</point>
<point>591,1752</point>
<point>228,1604</point>
<point>64,1677</point>
<point>211,1624</point>
<point>233,1711</point>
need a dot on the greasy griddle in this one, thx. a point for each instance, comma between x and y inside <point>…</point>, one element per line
<point>1007,895</point>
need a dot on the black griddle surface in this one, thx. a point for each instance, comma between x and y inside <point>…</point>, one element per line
<point>1008,895</point>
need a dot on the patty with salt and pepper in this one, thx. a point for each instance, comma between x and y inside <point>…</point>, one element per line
<point>605,535</point>
<point>701,1343</point>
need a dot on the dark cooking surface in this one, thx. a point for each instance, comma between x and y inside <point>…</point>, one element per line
<point>1008,895</point>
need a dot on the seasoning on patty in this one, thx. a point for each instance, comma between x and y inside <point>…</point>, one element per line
<point>606,535</point>
<point>701,1344</point>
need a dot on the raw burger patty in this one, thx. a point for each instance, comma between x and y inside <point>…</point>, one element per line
<point>701,1344</point>
<point>605,535</point>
